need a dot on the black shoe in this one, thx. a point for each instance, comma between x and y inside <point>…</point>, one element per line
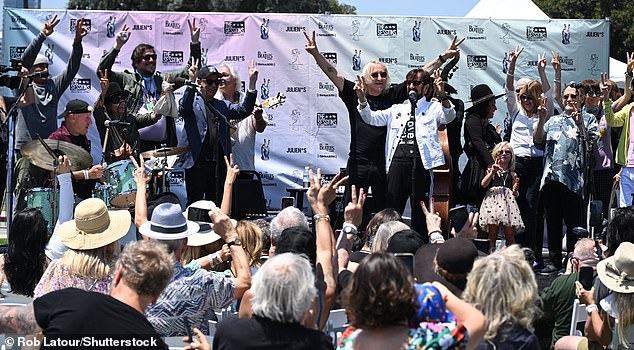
<point>549,270</point>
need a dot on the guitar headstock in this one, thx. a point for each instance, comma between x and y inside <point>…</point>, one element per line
<point>274,101</point>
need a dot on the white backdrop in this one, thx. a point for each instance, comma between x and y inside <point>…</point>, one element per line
<point>312,127</point>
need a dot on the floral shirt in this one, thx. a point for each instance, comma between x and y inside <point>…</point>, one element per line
<point>565,150</point>
<point>57,276</point>
<point>428,335</point>
<point>191,293</point>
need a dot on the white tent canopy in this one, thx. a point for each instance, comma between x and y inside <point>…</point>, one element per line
<point>617,70</point>
<point>505,9</point>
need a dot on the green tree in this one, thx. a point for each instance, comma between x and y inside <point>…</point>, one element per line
<point>260,6</point>
<point>618,11</point>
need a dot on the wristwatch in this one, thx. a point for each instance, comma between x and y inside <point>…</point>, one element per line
<point>236,241</point>
<point>349,229</point>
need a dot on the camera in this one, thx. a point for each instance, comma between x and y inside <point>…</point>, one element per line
<point>11,81</point>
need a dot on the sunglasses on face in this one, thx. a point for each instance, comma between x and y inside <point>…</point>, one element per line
<point>149,57</point>
<point>526,98</point>
<point>211,81</point>
<point>504,151</point>
<point>116,100</point>
<point>572,96</point>
<point>375,75</point>
<point>594,93</point>
<point>414,82</point>
<point>517,91</point>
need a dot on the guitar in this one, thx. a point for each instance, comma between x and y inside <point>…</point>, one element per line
<point>270,102</point>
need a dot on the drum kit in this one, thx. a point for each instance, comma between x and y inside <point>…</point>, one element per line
<point>118,190</point>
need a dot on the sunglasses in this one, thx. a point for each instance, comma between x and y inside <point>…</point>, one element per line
<point>149,57</point>
<point>573,96</point>
<point>211,81</point>
<point>517,91</point>
<point>377,74</point>
<point>414,82</point>
<point>594,93</point>
<point>117,99</point>
<point>504,151</point>
<point>526,98</point>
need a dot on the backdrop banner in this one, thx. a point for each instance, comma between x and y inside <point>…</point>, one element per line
<point>312,127</point>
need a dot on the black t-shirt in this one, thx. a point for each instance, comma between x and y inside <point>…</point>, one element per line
<point>367,142</point>
<point>73,312</point>
<point>261,333</point>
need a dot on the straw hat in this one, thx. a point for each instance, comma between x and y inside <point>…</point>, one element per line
<point>168,223</point>
<point>94,225</point>
<point>617,271</point>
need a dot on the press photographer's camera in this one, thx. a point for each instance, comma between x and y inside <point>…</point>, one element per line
<point>11,81</point>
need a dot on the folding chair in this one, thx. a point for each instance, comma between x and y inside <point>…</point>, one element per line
<point>336,324</point>
<point>578,315</point>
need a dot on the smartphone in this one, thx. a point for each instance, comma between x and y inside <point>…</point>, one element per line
<point>288,202</point>
<point>597,246</point>
<point>482,245</point>
<point>458,217</point>
<point>188,329</point>
<point>408,260</point>
<point>586,277</point>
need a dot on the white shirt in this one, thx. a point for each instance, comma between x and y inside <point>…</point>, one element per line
<point>523,126</point>
<point>244,147</point>
<point>429,115</point>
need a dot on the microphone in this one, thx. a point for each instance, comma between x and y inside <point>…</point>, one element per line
<point>36,75</point>
<point>182,81</point>
<point>412,99</point>
<point>113,123</point>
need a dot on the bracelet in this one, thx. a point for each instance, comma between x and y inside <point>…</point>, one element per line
<point>591,307</point>
<point>628,74</point>
<point>318,217</point>
<point>211,258</point>
<point>442,60</point>
<point>86,177</point>
<point>363,104</point>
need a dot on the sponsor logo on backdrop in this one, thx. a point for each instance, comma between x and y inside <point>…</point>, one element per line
<point>356,30</point>
<point>73,24</point>
<point>265,150</point>
<point>16,52</point>
<point>49,52</point>
<point>234,58</point>
<point>326,29</point>
<point>80,85</point>
<point>264,29</point>
<point>536,33</point>
<point>292,89</point>
<point>203,57</point>
<point>294,62</point>
<point>387,30</point>
<point>110,28</point>
<point>141,27</point>
<point>567,63</point>
<point>443,31</point>
<point>326,89</point>
<point>476,33</point>
<point>506,33</point>
<point>330,57</point>
<point>296,123</point>
<point>270,118</point>
<point>356,60</point>
<point>565,35</point>
<point>388,60</point>
<point>173,57</point>
<point>297,150</point>
<point>477,62</point>
<point>595,34</point>
<point>172,28</point>
<point>264,88</point>
<point>17,23</point>
<point>265,59</point>
<point>327,120</point>
<point>202,24</point>
<point>235,28</point>
<point>295,29</point>
<point>268,179</point>
<point>326,150</point>
<point>416,31</point>
<point>416,58</point>
<point>594,65</point>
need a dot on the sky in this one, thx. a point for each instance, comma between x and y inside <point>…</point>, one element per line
<point>452,8</point>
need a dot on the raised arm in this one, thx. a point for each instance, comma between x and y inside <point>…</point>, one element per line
<point>450,53</point>
<point>557,90</point>
<point>473,320</point>
<point>376,118</point>
<point>109,58</point>
<point>62,81</point>
<point>541,69</point>
<point>140,205</point>
<point>627,95</point>
<point>194,55</point>
<point>538,133</point>
<point>510,75</point>
<point>324,65</point>
<point>30,53</point>
<point>449,113</point>
<point>232,173</point>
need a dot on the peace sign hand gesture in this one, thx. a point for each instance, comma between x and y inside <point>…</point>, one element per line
<point>515,53</point>
<point>311,45</point>
<point>80,30</point>
<point>439,84</point>
<point>193,69</point>
<point>360,89</point>
<point>122,37</point>
<point>194,31</point>
<point>253,74</point>
<point>49,26</point>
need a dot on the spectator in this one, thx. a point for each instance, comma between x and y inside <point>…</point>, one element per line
<point>384,233</point>
<point>251,237</point>
<point>283,292</point>
<point>502,286</point>
<point>380,300</point>
<point>367,236</point>
<point>92,239</point>
<point>287,217</point>
<point>143,270</point>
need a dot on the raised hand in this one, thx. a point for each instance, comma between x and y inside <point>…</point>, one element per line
<point>194,31</point>
<point>354,210</point>
<point>541,62</point>
<point>470,228</point>
<point>605,87</point>
<point>140,176</point>
<point>515,53</point>
<point>122,37</point>
<point>253,74</point>
<point>232,170</point>
<point>542,111</point>
<point>63,165</point>
<point>103,81</point>
<point>630,62</point>
<point>555,61</point>
<point>453,49</point>
<point>193,69</point>
<point>80,30</point>
<point>49,26</point>
<point>222,224</point>
<point>321,197</point>
<point>360,89</point>
<point>311,45</point>
<point>439,84</point>
<point>432,217</point>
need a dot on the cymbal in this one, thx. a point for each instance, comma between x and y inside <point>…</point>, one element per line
<point>164,152</point>
<point>36,153</point>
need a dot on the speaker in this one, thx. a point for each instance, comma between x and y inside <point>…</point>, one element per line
<point>248,197</point>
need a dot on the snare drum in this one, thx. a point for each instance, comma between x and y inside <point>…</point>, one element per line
<point>105,193</point>
<point>42,198</point>
<point>121,177</point>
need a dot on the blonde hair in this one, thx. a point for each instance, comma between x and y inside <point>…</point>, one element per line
<point>535,90</point>
<point>195,252</point>
<point>365,73</point>
<point>93,263</point>
<point>498,147</point>
<point>251,236</point>
<point>625,307</point>
<point>503,287</point>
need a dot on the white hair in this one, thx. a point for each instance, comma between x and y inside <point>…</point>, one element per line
<point>288,217</point>
<point>284,288</point>
<point>235,75</point>
<point>385,232</point>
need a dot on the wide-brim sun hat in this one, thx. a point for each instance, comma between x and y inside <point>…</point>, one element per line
<point>168,223</point>
<point>94,226</point>
<point>198,212</point>
<point>481,94</point>
<point>617,271</point>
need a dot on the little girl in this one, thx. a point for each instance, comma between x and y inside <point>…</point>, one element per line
<point>499,206</point>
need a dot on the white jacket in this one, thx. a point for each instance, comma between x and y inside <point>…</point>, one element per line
<point>429,115</point>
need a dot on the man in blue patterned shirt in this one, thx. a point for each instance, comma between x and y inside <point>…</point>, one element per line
<point>567,140</point>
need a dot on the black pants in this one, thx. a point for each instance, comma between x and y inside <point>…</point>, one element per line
<point>399,189</point>
<point>363,175</point>
<point>561,206</point>
<point>530,170</point>
<point>205,180</point>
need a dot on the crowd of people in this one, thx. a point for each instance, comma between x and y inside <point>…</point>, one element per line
<point>150,269</point>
